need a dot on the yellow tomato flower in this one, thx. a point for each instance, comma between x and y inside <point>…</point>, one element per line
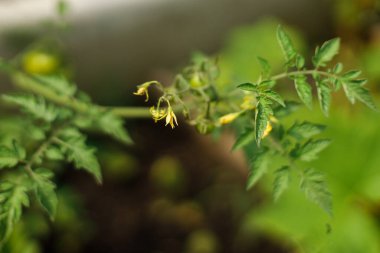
<point>157,114</point>
<point>171,118</point>
<point>167,114</point>
<point>228,118</point>
<point>142,90</point>
<point>267,130</point>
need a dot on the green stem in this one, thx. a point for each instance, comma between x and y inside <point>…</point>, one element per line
<point>303,72</point>
<point>30,84</point>
<point>39,151</point>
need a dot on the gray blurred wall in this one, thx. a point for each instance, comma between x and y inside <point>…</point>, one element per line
<point>117,45</point>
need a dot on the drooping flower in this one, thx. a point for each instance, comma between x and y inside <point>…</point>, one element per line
<point>166,113</point>
<point>157,114</point>
<point>142,90</point>
<point>171,118</point>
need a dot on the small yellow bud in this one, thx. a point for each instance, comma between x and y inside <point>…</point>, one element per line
<point>228,118</point>
<point>141,91</point>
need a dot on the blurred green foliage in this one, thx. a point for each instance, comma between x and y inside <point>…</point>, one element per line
<point>351,164</point>
<point>238,59</point>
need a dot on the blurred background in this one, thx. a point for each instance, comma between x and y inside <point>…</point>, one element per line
<point>178,191</point>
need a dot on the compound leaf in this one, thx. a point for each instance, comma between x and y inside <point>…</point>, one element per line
<point>263,112</point>
<point>315,188</point>
<point>113,126</point>
<point>45,191</point>
<point>285,44</point>
<point>34,105</point>
<point>304,91</point>
<point>281,181</point>
<point>354,90</point>
<point>73,144</point>
<point>244,139</point>
<point>305,130</point>
<point>265,67</point>
<point>272,95</point>
<point>259,165</point>
<point>324,97</point>
<point>247,87</point>
<point>326,52</point>
<point>310,149</point>
<point>13,196</point>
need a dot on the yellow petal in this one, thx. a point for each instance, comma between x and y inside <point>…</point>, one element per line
<point>175,118</point>
<point>268,129</point>
<point>168,117</point>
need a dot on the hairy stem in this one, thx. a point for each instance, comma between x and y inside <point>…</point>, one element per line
<point>30,84</point>
<point>303,72</point>
<point>39,151</point>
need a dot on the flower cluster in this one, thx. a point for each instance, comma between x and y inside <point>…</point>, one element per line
<point>158,113</point>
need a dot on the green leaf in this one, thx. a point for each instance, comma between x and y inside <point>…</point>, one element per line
<point>272,95</point>
<point>338,68</point>
<point>247,87</point>
<point>34,105</point>
<point>259,165</point>
<point>324,97</point>
<point>304,91</point>
<point>265,67</point>
<point>285,44</point>
<point>59,84</point>
<point>54,153</point>
<point>267,83</point>
<point>13,196</point>
<point>310,149</point>
<point>9,157</point>
<point>326,52</point>
<point>73,144</point>
<point>315,188</point>
<point>354,90</point>
<point>45,191</point>
<point>300,61</point>
<point>244,139</point>
<point>113,126</point>
<point>19,151</point>
<point>263,112</point>
<point>352,74</point>
<point>305,130</point>
<point>281,181</point>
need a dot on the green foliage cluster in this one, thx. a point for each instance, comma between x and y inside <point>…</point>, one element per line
<point>61,138</point>
<point>60,114</point>
<point>297,143</point>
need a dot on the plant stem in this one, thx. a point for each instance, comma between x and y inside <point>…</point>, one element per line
<point>303,72</point>
<point>39,151</point>
<point>29,83</point>
<point>33,85</point>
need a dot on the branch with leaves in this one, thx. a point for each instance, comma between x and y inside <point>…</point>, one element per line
<point>59,115</point>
